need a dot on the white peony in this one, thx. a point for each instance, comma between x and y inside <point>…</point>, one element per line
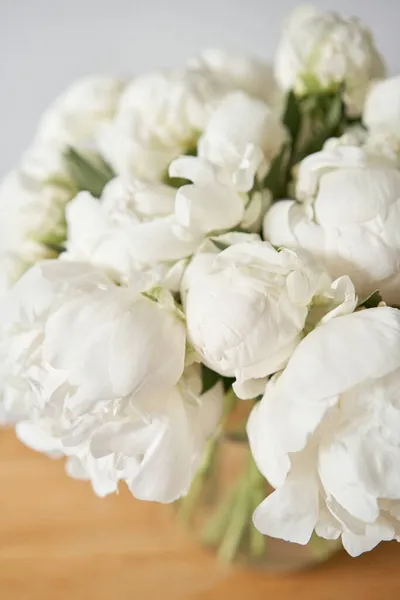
<point>131,228</point>
<point>326,435</point>
<point>154,443</point>
<point>246,309</point>
<point>139,225</point>
<point>349,218</point>
<point>95,371</point>
<point>321,50</point>
<point>212,203</point>
<point>242,137</point>
<point>160,116</point>
<point>68,324</point>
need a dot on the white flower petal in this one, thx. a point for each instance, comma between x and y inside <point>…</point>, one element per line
<point>290,513</point>
<point>208,208</point>
<point>375,533</point>
<point>371,349</point>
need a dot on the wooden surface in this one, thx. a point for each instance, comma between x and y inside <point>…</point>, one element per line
<point>58,541</point>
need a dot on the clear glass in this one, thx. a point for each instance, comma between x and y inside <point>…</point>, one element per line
<point>220,504</point>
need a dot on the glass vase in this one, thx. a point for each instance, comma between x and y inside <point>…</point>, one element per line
<point>219,506</point>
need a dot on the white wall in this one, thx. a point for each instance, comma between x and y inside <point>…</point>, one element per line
<point>45,44</point>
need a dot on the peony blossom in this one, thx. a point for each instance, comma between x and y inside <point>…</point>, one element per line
<point>139,225</point>
<point>242,137</point>
<point>160,116</point>
<point>95,371</point>
<point>348,217</point>
<point>246,309</point>
<point>321,50</point>
<point>326,435</point>
<point>71,339</point>
<point>154,442</point>
<point>210,204</point>
<point>131,228</point>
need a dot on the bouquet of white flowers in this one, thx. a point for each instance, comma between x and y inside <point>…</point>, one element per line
<point>223,235</point>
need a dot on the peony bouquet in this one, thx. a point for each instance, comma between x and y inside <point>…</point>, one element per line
<point>223,237</point>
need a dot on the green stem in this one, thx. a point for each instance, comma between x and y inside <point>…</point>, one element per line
<point>237,524</point>
<point>250,490</point>
<point>188,504</point>
<point>322,549</point>
<point>216,526</point>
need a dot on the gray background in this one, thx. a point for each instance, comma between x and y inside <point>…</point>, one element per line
<point>45,44</point>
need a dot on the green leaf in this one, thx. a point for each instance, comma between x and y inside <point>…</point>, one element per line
<point>372,301</point>
<point>208,378</point>
<point>227,382</point>
<point>292,117</point>
<point>277,178</point>
<point>335,115</point>
<point>220,245</point>
<point>89,175</point>
<point>176,182</point>
<point>56,248</point>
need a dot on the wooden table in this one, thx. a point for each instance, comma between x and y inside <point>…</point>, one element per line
<point>58,541</point>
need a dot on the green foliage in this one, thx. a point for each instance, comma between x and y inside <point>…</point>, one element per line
<point>220,245</point>
<point>293,116</point>
<point>372,301</point>
<point>89,174</point>
<point>278,175</point>
<point>176,182</point>
<point>310,120</point>
<point>210,378</point>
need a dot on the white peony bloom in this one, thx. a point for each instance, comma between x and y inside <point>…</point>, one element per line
<point>210,204</point>
<point>246,309</point>
<point>349,218</point>
<point>95,371</point>
<point>78,112</point>
<point>70,335</point>
<point>154,443</point>
<point>251,75</point>
<point>160,116</point>
<point>326,435</point>
<point>131,228</point>
<point>321,50</point>
<point>242,137</point>
<point>140,225</point>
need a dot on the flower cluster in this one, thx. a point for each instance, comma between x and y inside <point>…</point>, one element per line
<point>230,229</point>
